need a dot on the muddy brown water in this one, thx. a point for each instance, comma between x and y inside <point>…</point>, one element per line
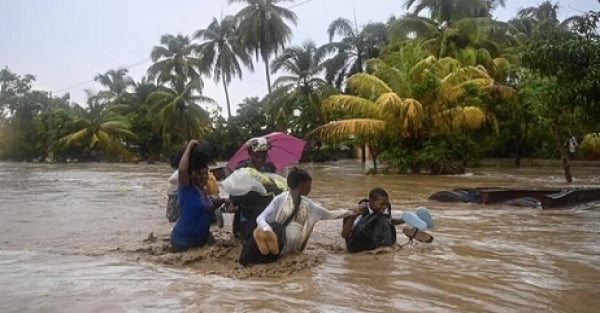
<point>77,238</point>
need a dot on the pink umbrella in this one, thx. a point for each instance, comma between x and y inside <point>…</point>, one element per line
<point>285,150</point>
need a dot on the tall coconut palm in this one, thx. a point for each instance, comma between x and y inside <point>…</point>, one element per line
<point>175,56</point>
<point>546,12</point>
<point>116,81</point>
<point>354,48</point>
<point>221,49</point>
<point>301,88</point>
<point>133,104</point>
<point>446,11</point>
<point>263,29</point>
<point>96,127</point>
<point>178,108</point>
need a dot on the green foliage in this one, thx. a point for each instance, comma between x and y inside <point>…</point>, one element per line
<point>222,52</point>
<point>590,146</point>
<point>263,29</point>
<point>424,85</point>
<point>229,135</point>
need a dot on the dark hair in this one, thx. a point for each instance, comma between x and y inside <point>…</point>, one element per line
<point>296,177</point>
<point>174,159</point>
<point>377,193</point>
<point>201,155</point>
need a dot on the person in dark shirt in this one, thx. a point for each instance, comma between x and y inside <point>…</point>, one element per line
<point>258,149</point>
<point>371,227</point>
<point>250,205</point>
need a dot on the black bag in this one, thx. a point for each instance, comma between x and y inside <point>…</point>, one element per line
<point>250,205</point>
<point>250,253</point>
<point>373,231</point>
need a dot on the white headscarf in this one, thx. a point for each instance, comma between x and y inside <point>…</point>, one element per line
<point>258,144</point>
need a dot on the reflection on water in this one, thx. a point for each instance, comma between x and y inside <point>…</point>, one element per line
<point>60,225</point>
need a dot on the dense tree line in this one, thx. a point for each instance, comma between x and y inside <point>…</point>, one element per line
<point>420,91</point>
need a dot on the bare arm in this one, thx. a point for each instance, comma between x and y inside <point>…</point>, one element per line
<point>184,164</point>
<point>348,225</point>
<point>324,214</point>
<point>269,213</point>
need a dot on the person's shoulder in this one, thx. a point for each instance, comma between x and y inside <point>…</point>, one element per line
<point>282,195</point>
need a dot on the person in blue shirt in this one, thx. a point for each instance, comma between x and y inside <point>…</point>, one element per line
<point>192,227</point>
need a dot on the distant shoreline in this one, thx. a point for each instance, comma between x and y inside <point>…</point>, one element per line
<point>488,162</point>
<point>534,162</point>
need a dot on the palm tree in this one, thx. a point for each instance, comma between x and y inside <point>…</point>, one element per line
<point>96,127</point>
<point>116,81</point>
<point>263,29</point>
<point>301,89</point>
<point>446,11</point>
<point>546,12</point>
<point>353,49</point>
<point>175,57</point>
<point>180,115</point>
<point>222,51</point>
<point>378,110</point>
<point>473,41</point>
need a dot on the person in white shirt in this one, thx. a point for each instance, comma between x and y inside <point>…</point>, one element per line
<point>287,222</point>
<point>572,146</point>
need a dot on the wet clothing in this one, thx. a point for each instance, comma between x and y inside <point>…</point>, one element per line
<point>172,212</point>
<point>192,227</point>
<point>251,204</point>
<point>298,231</point>
<point>371,230</point>
<point>268,167</point>
<point>172,207</point>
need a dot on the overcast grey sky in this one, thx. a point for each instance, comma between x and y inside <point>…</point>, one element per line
<point>65,43</point>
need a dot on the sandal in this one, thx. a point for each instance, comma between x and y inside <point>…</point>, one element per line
<point>419,235</point>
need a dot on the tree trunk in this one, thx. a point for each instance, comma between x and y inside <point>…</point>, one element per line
<point>374,157</point>
<point>518,152</point>
<point>564,156</point>
<point>227,98</point>
<point>266,60</point>
<point>363,153</point>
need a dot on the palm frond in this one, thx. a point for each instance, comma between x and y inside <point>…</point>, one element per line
<point>75,137</point>
<point>467,117</point>
<point>367,86</point>
<point>346,129</point>
<point>353,105</point>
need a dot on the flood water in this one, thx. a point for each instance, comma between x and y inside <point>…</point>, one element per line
<point>73,238</point>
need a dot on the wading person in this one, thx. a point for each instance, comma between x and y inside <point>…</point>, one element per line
<point>250,205</point>
<point>192,227</point>
<point>371,226</point>
<point>209,184</point>
<point>287,222</point>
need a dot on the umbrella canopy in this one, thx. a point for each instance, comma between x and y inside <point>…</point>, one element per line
<point>285,150</point>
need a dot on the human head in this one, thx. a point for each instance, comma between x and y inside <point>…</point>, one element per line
<point>257,150</point>
<point>203,176</point>
<point>299,179</point>
<point>199,177</point>
<point>378,200</point>
<point>200,155</point>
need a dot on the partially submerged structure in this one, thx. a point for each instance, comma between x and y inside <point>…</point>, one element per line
<point>545,198</point>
